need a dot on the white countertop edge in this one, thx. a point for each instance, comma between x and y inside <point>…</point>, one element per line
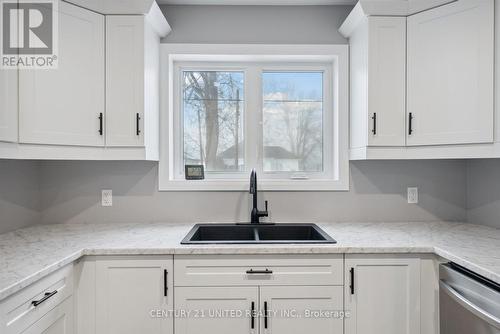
<point>239,249</point>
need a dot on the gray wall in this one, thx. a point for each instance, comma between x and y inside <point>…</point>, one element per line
<point>483,192</point>
<point>256,24</point>
<point>19,194</point>
<point>70,192</point>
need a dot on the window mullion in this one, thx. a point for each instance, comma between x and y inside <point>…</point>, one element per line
<point>253,119</point>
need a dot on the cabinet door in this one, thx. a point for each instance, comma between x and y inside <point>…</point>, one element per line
<point>301,309</point>
<point>450,74</point>
<point>130,292</point>
<point>386,81</point>
<point>204,310</point>
<point>57,321</point>
<point>124,80</point>
<point>8,105</point>
<point>62,106</point>
<point>382,295</point>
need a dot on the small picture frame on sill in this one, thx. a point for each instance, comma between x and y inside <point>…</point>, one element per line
<point>194,172</point>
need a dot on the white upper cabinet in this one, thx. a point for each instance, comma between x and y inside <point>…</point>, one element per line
<point>125,80</point>
<point>378,80</point>
<point>451,74</point>
<point>422,86</point>
<point>133,80</point>
<point>102,101</point>
<point>8,105</point>
<point>386,80</point>
<point>63,106</point>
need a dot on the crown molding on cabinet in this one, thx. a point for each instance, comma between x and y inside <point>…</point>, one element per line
<point>149,8</point>
<point>118,7</point>
<point>158,21</point>
<point>258,2</point>
<point>386,8</point>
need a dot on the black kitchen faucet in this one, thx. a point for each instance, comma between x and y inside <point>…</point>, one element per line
<point>255,214</point>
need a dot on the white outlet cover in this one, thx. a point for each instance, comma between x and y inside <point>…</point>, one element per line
<point>412,195</point>
<point>107,197</point>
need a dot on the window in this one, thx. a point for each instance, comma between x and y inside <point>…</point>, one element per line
<point>280,116</point>
<point>213,110</point>
<point>293,121</point>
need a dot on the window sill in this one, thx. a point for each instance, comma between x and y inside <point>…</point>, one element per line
<point>264,185</point>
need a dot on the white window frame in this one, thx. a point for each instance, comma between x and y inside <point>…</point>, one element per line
<point>333,58</point>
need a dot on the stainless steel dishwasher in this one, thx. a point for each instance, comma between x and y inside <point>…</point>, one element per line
<point>469,303</point>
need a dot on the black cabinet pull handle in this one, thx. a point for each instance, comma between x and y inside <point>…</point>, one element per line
<point>137,127</point>
<point>47,295</point>
<point>352,281</point>
<point>410,123</point>
<point>259,272</point>
<point>165,283</point>
<point>374,117</point>
<point>265,315</point>
<point>252,319</point>
<point>100,124</point>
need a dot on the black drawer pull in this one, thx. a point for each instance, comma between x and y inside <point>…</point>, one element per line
<point>100,124</point>
<point>45,297</point>
<point>137,127</point>
<point>352,281</point>
<point>410,124</point>
<point>252,320</point>
<point>259,272</point>
<point>265,315</point>
<point>374,117</point>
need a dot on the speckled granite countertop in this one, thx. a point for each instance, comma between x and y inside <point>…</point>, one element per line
<point>28,254</point>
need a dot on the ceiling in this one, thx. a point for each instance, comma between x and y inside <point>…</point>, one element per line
<point>257,2</point>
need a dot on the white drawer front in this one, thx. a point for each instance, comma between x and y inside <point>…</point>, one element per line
<point>59,320</point>
<point>221,270</point>
<point>18,312</point>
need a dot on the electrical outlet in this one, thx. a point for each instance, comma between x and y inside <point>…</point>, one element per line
<point>107,197</point>
<point>412,195</point>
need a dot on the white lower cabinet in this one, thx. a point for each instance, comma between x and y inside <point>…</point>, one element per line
<point>58,321</point>
<point>133,295</point>
<point>302,309</point>
<point>287,294</point>
<point>221,310</point>
<point>265,309</point>
<point>382,294</point>
<point>266,294</point>
<point>46,306</point>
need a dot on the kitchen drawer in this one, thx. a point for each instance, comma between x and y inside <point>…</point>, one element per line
<point>227,270</point>
<point>59,320</point>
<point>18,312</point>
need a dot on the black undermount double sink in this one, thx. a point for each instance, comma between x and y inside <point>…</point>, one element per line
<point>257,234</point>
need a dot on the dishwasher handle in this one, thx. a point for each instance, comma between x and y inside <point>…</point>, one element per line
<point>468,305</point>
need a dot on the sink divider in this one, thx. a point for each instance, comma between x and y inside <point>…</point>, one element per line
<point>256,234</point>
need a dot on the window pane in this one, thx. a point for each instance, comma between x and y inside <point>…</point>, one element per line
<point>213,120</point>
<point>293,121</point>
